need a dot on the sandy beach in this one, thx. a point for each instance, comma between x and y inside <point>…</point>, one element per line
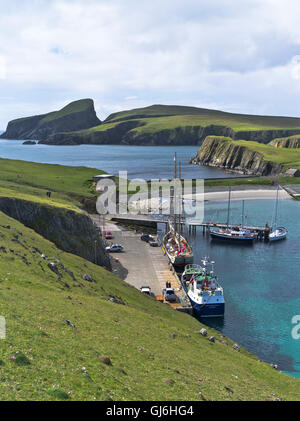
<point>239,195</point>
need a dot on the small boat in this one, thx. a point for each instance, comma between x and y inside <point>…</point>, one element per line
<point>239,234</point>
<point>277,233</point>
<point>203,290</point>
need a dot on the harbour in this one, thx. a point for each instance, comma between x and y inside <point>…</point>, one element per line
<point>254,285</point>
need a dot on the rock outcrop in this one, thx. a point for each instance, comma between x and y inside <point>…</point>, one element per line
<point>111,136</point>
<point>224,153</point>
<point>286,142</point>
<point>70,231</point>
<point>77,115</point>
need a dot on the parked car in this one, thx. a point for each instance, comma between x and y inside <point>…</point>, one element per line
<point>169,295</point>
<point>146,290</point>
<point>115,248</point>
<point>147,237</point>
<point>108,235</point>
<point>153,243</point>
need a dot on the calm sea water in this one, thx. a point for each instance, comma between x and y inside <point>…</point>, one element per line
<point>140,161</point>
<point>261,281</point>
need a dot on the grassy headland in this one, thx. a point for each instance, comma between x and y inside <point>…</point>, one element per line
<point>131,349</point>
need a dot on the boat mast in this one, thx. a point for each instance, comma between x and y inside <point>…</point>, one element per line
<point>228,210</point>
<point>243,213</point>
<point>276,208</point>
<point>179,216</point>
<point>174,199</point>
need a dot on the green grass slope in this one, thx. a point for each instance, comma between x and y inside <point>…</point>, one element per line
<point>286,157</point>
<point>72,108</point>
<point>31,181</point>
<point>171,116</point>
<point>155,353</point>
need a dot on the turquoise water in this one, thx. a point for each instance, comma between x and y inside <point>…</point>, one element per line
<point>140,161</point>
<point>261,282</point>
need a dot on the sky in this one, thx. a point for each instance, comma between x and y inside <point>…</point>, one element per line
<point>231,55</point>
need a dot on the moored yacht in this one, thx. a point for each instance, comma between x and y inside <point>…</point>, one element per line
<point>277,233</point>
<point>240,234</point>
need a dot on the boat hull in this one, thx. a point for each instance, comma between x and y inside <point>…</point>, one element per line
<point>208,310</point>
<point>218,236</point>
<point>180,260</point>
<point>278,237</point>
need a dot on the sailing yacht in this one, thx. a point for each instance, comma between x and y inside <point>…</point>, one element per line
<point>237,235</point>
<point>176,247</point>
<point>277,233</point>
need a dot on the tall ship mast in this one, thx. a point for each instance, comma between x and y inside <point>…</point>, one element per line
<point>177,248</point>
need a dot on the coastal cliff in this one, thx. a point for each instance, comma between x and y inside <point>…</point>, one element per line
<point>227,154</point>
<point>158,125</point>
<point>77,115</point>
<point>286,142</point>
<point>70,231</point>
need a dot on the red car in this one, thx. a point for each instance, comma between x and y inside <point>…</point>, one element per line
<point>108,235</point>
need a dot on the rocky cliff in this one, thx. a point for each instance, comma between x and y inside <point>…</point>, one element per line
<point>286,142</point>
<point>112,135</point>
<point>77,115</point>
<point>70,231</point>
<point>224,153</point>
<point>124,133</point>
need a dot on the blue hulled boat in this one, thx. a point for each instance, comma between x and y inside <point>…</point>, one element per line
<point>203,290</point>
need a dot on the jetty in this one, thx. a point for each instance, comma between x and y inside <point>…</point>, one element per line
<point>262,232</point>
<point>146,265</point>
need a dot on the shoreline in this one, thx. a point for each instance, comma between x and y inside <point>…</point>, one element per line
<point>241,194</point>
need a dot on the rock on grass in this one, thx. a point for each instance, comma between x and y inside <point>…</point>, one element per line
<point>105,360</point>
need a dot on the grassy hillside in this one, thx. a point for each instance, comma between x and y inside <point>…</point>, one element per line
<point>286,142</point>
<point>155,352</point>
<point>168,116</point>
<point>31,181</point>
<point>73,339</point>
<point>288,158</point>
<point>73,107</point>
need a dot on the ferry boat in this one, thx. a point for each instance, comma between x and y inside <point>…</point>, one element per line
<point>203,290</point>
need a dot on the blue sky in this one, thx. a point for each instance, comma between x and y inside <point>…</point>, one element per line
<point>238,56</point>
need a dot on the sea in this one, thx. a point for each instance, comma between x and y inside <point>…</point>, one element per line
<point>146,162</point>
<point>261,281</point>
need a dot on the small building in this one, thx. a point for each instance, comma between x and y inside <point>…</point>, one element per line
<point>292,172</point>
<point>97,178</point>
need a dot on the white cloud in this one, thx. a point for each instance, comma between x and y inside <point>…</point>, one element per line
<point>2,67</point>
<point>125,54</point>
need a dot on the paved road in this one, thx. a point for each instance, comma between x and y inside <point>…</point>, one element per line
<point>137,260</point>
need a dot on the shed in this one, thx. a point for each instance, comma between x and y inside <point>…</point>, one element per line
<point>292,172</point>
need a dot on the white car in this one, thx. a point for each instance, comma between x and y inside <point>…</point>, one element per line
<point>115,248</point>
<point>146,290</point>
